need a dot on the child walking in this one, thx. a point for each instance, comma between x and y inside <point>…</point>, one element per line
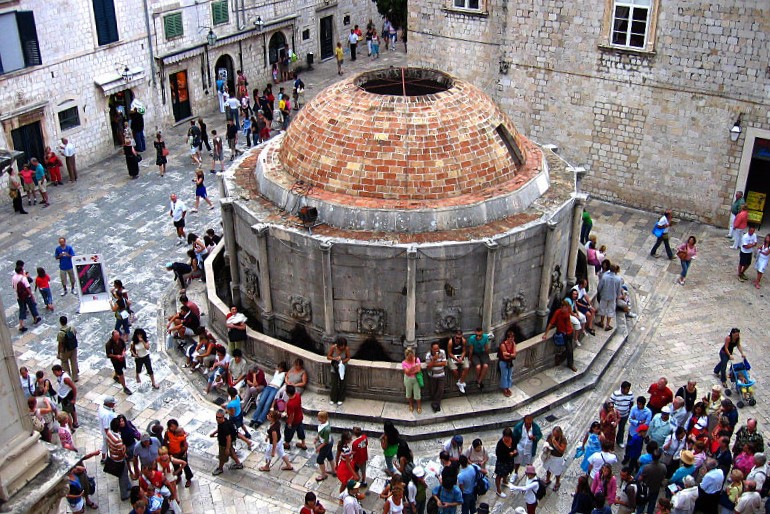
<point>43,284</point>
<point>324,446</point>
<point>200,190</point>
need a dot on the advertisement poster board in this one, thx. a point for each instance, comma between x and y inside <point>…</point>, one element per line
<point>92,281</point>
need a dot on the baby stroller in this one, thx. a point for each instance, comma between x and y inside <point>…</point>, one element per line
<point>744,384</point>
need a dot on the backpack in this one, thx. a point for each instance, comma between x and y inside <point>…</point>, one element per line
<point>481,486</point>
<point>642,492</point>
<point>432,506</point>
<point>70,340</point>
<point>765,490</point>
<point>541,489</point>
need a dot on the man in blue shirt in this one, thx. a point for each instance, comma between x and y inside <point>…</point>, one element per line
<point>466,480</point>
<point>448,498</point>
<point>710,488</point>
<point>64,254</point>
<point>478,344</point>
<point>639,415</point>
<point>40,180</point>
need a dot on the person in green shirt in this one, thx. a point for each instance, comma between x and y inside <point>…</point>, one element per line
<point>585,229</point>
<point>478,345</point>
<point>735,208</point>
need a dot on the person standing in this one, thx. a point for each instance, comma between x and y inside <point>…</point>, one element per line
<point>739,225</point>
<point>40,180</point>
<point>506,354</point>
<point>140,350</point>
<point>116,352</point>
<point>161,153</point>
<point>53,163</point>
<point>662,226</point>
<point>232,139</point>
<point>137,129</point>
<point>220,83</point>
<point>24,297</point>
<point>234,106</point>
<point>15,186</point>
<point>735,208</point>
<point>411,366</point>
<point>340,55</point>
<point>204,136</point>
<point>225,434</point>
<point>627,489</point>
<point>610,290</point>
<point>466,481</point>
<point>530,487</point>
<point>67,351</point>
<point>623,400</point>
<point>67,393</point>
<point>585,228</point>
<point>748,243</point>
<point>294,419</point>
<point>43,284</point>
<point>217,151</point>
<point>731,343</point>
<point>435,366</point>
<point>353,42</point>
<point>686,253</point>
<point>67,149</point>
<point>561,320</point>
<point>763,254</point>
<point>178,212</point>
<point>117,452</point>
<point>526,434</point>
<point>200,190</point>
<point>339,355</point>
<point>194,142</point>
<point>64,254</point>
<point>106,414</point>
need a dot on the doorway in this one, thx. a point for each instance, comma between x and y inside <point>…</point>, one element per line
<point>224,69</point>
<point>327,37</point>
<point>28,139</point>
<point>180,96</point>
<point>757,187</point>
<point>119,105</point>
<point>276,47</point>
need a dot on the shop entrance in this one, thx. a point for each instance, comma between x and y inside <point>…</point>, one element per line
<point>28,139</point>
<point>180,96</point>
<point>276,47</point>
<point>327,37</point>
<point>757,189</point>
<point>119,106</point>
<point>224,69</point>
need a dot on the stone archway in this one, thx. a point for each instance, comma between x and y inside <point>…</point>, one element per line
<point>225,64</point>
<point>276,47</point>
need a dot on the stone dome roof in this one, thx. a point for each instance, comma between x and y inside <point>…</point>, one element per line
<point>405,134</point>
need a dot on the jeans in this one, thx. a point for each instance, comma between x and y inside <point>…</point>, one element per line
<point>141,145</point>
<point>30,304</point>
<point>585,231</point>
<point>569,350</point>
<point>685,267</point>
<point>263,407</point>
<point>506,375</point>
<point>122,323</point>
<point>721,368</point>
<point>353,52</point>
<point>469,504</point>
<point>621,430</point>
<point>46,294</point>
<point>662,239</point>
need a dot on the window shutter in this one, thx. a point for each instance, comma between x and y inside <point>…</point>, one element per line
<point>173,26</point>
<point>106,22</point>
<point>25,20</point>
<point>219,12</point>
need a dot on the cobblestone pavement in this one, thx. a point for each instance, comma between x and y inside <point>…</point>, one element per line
<point>677,333</point>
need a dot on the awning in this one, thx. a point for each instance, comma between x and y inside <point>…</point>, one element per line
<point>181,55</point>
<point>113,82</point>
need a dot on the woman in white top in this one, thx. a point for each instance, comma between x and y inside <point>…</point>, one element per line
<point>395,502</point>
<point>140,350</point>
<point>763,254</point>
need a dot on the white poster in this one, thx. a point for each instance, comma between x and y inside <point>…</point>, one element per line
<point>92,279</point>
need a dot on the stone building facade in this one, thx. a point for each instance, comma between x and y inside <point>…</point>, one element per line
<point>643,93</point>
<point>74,76</point>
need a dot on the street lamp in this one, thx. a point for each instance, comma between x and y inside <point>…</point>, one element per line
<point>735,132</point>
<point>211,38</point>
<point>259,23</point>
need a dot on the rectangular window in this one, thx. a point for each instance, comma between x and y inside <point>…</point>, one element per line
<point>630,20</point>
<point>467,4</point>
<point>69,118</point>
<point>106,22</point>
<point>19,47</point>
<point>219,12</point>
<point>305,34</point>
<point>172,25</point>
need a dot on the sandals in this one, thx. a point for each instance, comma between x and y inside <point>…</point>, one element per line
<point>608,328</point>
<point>264,468</point>
<point>188,483</point>
<point>556,487</point>
<point>321,479</point>
<point>289,468</point>
<point>91,505</point>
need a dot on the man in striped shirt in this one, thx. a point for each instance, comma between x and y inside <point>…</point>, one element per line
<point>623,400</point>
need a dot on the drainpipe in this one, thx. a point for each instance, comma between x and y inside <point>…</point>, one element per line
<point>149,42</point>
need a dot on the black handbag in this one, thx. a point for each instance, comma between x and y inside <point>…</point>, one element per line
<point>114,468</point>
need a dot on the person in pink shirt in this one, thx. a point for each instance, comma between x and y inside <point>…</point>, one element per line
<point>412,366</point>
<point>739,226</point>
<point>686,253</point>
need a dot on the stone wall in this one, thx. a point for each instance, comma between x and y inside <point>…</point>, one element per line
<point>651,125</point>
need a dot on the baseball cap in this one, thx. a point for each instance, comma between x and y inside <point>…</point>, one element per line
<point>643,428</point>
<point>458,439</point>
<point>352,484</point>
<point>418,471</point>
<point>109,399</point>
<point>145,438</point>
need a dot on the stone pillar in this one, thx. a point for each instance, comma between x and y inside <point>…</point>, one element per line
<point>545,275</point>
<point>574,242</point>
<point>268,317</point>
<point>23,457</point>
<point>411,296</point>
<point>489,285</point>
<point>222,186</point>
<point>326,272</point>
<point>228,222</point>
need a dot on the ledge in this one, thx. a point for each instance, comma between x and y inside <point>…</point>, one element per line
<point>626,50</point>
<point>472,13</point>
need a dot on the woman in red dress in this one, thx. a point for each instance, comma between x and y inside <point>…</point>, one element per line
<point>53,163</point>
<point>345,468</point>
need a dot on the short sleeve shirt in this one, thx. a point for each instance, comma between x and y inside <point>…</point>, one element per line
<point>234,404</point>
<point>177,210</point>
<point>663,222</point>
<point>224,430</point>
<point>748,239</point>
<point>478,343</point>
<point>65,263</point>
<point>294,409</point>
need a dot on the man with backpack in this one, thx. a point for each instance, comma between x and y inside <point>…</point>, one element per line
<point>650,481</point>
<point>67,351</point>
<point>533,489</point>
<point>466,480</point>
<point>627,490</point>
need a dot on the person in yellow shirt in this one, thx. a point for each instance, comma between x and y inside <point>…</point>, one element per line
<point>339,54</point>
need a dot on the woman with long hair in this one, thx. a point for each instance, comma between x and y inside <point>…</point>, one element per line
<point>140,351</point>
<point>763,254</point>
<point>686,253</point>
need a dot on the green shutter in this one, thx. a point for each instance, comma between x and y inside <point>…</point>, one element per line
<point>219,12</point>
<point>172,24</point>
